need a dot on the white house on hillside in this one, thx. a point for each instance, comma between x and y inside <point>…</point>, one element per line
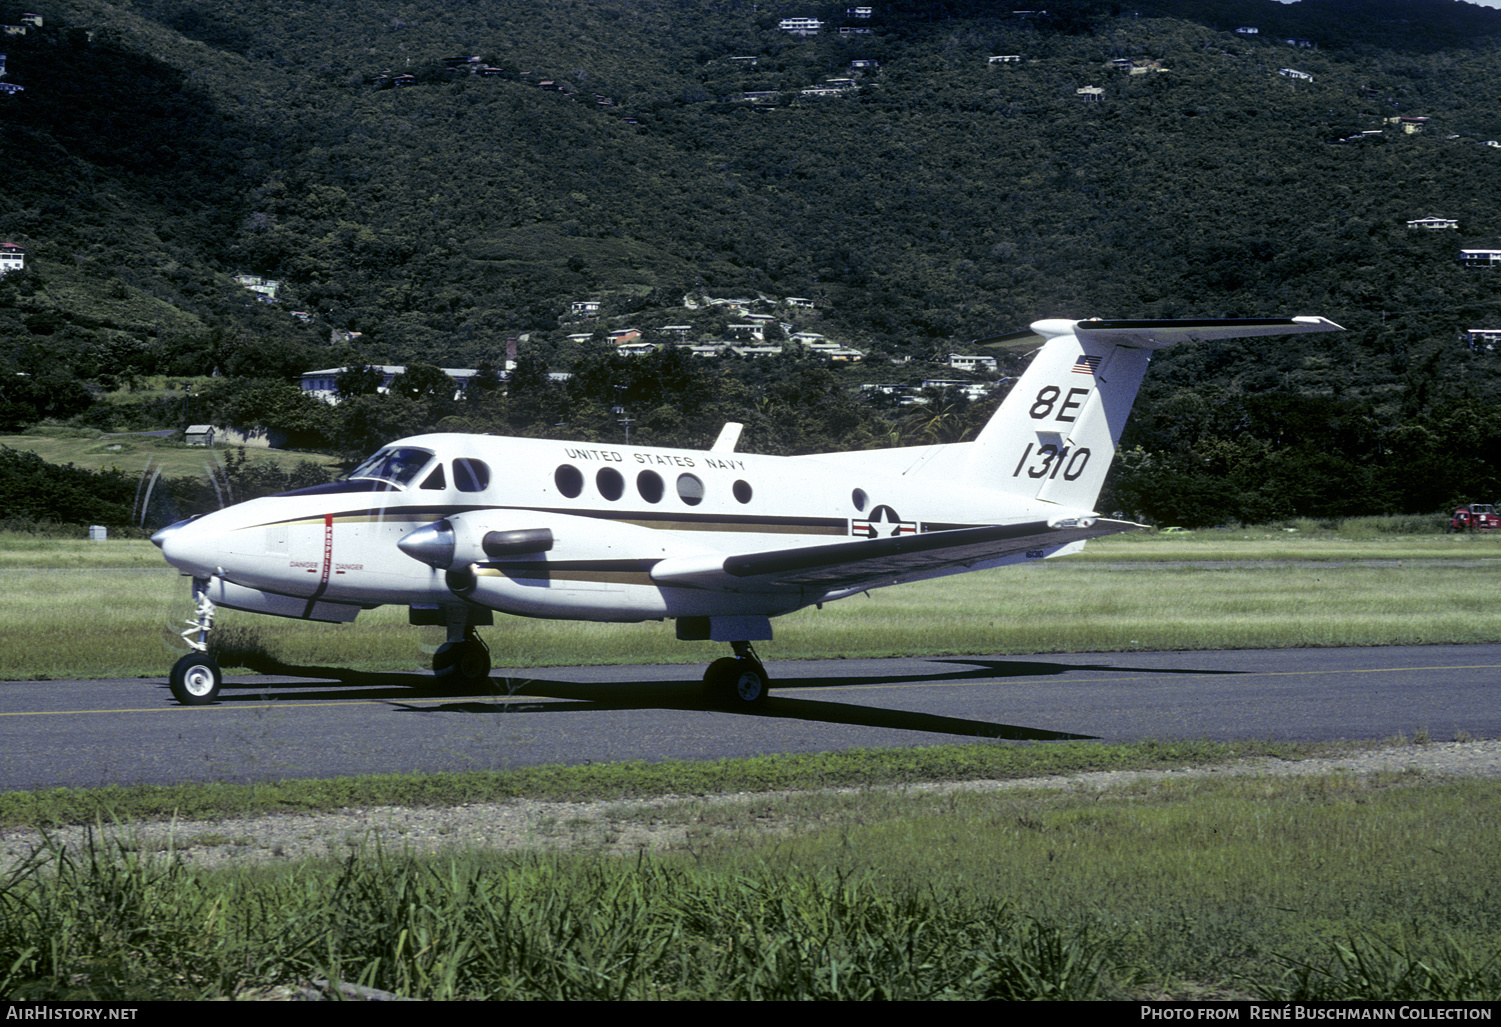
<point>323,384</point>
<point>265,288</point>
<point>1480,257</point>
<point>960,362</point>
<point>800,26</point>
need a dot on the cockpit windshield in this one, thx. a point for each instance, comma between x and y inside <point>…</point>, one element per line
<point>396,466</point>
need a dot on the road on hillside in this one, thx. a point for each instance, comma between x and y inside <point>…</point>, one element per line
<point>89,733</point>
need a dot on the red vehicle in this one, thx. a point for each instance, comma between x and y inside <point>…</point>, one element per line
<point>1476,517</point>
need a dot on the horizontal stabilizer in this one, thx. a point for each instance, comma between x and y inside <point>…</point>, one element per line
<point>1158,334</point>
<point>868,563</point>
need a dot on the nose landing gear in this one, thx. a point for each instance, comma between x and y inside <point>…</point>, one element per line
<point>195,679</point>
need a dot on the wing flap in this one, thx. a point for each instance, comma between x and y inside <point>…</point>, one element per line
<point>868,563</point>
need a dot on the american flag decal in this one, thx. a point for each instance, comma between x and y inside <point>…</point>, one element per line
<point>1086,365</point>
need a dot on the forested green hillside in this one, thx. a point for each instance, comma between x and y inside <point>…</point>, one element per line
<point>162,145</point>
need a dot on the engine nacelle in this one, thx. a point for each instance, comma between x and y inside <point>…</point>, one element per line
<point>464,539</point>
<point>574,567</point>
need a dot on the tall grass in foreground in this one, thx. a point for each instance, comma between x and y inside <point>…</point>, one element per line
<point>521,928</point>
<point>1311,888</point>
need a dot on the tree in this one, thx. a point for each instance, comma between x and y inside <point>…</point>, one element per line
<point>424,382</point>
<point>532,400</point>
<point>273,405</point>
<point>32,489</point>
<point>362,380</point>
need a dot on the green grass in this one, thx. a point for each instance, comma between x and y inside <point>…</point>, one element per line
<point>1353,539</point>
<point>618,781</point>
<point>97,451</point>
<point>1119,595</point>
<point>128,310</point>
<point>1324,887</point>
<point>1084,607</point>
<point>1272,888</point>
<point>1230,883</point>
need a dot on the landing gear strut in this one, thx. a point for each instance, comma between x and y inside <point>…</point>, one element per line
<point>737,681</point>
<point>196,678</point>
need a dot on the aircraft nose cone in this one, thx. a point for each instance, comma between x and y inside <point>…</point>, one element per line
<point>163,534</point>
<point>189,548</point>
<point>432,544</point>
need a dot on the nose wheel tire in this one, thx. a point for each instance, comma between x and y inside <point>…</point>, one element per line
<point>736,683</point>
<point>195,680</point>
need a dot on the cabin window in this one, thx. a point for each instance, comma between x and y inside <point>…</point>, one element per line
<point>690,489</point>
<point>471,475</point>
<point>610,484</point>
<point>436,479</point>
<point>742,491</point>
<point>859,498</point>
<point>570,480</point>
<point>649,484</point>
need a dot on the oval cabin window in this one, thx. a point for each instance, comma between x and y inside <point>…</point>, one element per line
<point>649,484</point>
<point>610,484</point>
<point>690,489</point>
<point>569,480</point>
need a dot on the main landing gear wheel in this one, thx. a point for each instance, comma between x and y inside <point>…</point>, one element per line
<point>464,663</point>
<point>195,680</point>
<point>737,682</point>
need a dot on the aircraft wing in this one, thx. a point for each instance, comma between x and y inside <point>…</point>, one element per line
<point>870,563</point>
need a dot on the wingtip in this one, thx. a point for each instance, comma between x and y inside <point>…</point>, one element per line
<point>1319,324</point>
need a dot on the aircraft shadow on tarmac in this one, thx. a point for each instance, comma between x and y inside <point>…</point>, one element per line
<point>417,693</point>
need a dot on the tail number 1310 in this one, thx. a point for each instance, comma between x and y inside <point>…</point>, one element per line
<point>1048,460</point>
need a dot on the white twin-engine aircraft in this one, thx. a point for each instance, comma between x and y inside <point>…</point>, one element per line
<point>456,527</point>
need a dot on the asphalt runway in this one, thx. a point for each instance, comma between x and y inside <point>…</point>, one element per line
<point>332,723</point>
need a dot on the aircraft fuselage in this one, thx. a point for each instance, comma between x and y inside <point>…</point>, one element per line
<point>613,513</point>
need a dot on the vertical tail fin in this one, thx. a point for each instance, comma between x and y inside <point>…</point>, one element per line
<point>1055,434</point>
